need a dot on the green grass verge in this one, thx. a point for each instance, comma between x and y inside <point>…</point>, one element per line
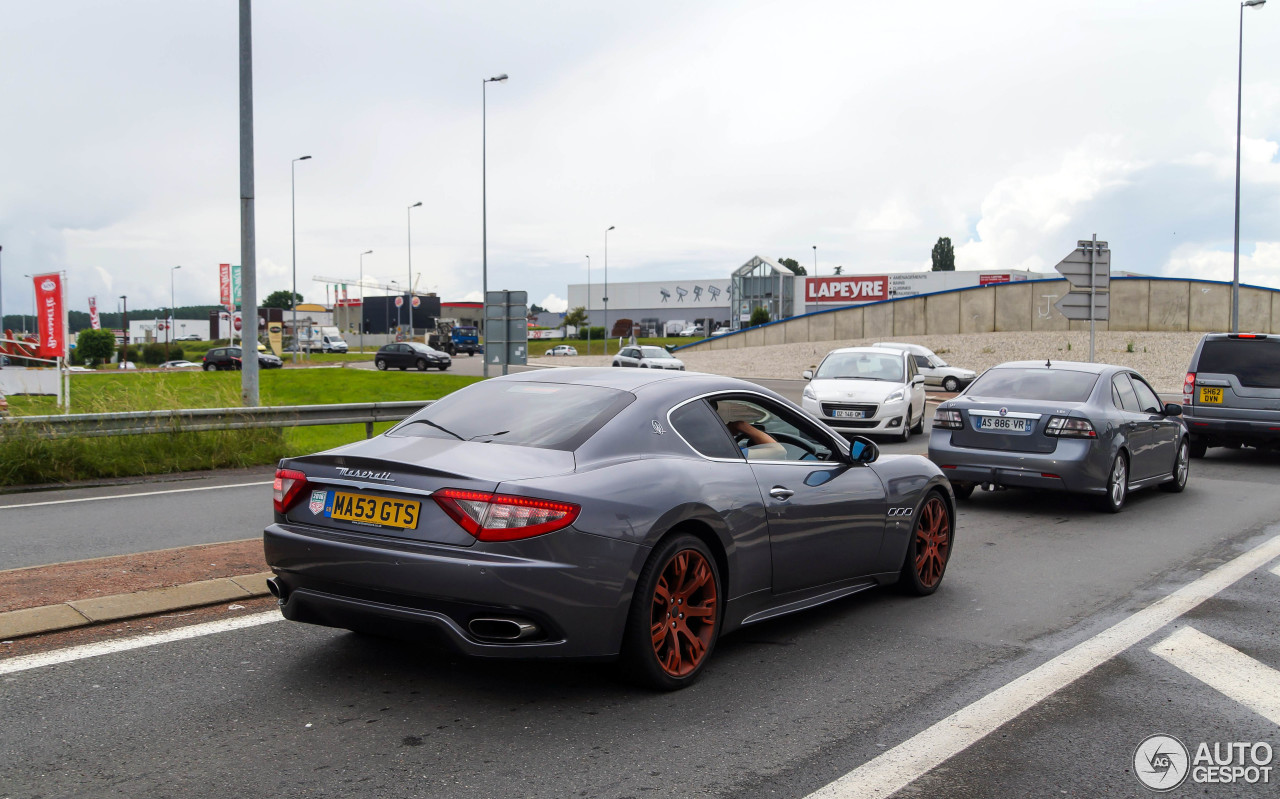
<point>32,457</point>
<point>539,347</point>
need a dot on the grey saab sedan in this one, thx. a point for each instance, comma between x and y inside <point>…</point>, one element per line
<point>1080,427</point>
<point>603,514</point>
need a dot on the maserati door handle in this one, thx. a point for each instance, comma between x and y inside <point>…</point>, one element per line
<point>780,493</point>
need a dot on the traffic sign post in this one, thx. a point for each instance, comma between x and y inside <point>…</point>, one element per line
<point>1088,270</point>
<point>506,328</point>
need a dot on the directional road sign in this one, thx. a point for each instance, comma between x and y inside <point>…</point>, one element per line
<point>1075,267</point>
<point>1076,306</point>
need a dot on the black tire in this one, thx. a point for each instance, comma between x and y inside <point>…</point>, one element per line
<point>470,354</point>
<point>422,365</point>
<point>1117,485</point>
<point>951,384</point>
<point>381,364</point>
<point>963,490</point>
<point>1198,447</point>
<point>1181,469</point>
<point>919,426</point>
<point>209,367</point>
<point>690,641</point>
<point>905,435</point>
<point>443,368</point>
<point>933,531</point>
<point>615,363</point>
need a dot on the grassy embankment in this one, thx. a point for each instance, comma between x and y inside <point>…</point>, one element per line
<point>33,458</point>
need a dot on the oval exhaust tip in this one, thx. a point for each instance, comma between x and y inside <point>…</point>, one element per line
<point>499,629</point>
<point>273,587</point>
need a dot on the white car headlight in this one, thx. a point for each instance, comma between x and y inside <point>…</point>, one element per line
<point>809,393</point>
<point>896,396</point>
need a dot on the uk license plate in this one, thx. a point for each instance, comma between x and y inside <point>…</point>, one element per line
<point>1211,396</point>
<point>381,511</point>
<point>844,413</point>
<point>1003,424</point>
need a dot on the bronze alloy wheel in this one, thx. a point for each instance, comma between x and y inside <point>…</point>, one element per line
<point>683,617</point>
<point>932,542</point>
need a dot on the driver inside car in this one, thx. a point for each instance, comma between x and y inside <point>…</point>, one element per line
<point>738,417</point>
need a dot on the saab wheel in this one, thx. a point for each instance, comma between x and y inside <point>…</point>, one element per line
<point>951,384</point>
<point>930,547</point>
<point>962,490</point>
<point>1198,447</point>
<point>1117,485</point>
<point>208,367</point>
<point>675,615</point>
<point>422,365</point>
<point>381,364</point>
<point>1181,470</point>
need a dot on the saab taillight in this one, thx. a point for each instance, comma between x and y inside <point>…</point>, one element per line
<point>504,517</point>
<point>1188,388</point>
<point>947,419</point>
<point>1069,427</point>
<point>288,485</point>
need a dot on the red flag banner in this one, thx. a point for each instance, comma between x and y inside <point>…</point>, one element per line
<point>94,322</point>
<point>51,320</point>
<point>224,284</point>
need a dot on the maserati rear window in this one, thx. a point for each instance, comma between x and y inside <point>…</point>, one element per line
<point>541,415</point>
<point>1063,385</point>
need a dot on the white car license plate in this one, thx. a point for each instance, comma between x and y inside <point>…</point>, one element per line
<point>842,413</point>
<point>1003,424</point>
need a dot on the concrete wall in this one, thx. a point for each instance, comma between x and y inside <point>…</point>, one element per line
<point>1136,304</point>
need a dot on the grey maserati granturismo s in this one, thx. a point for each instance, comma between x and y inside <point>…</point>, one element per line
<point>600,513</point>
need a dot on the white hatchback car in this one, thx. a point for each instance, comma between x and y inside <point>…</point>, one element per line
<point>647,358</point>
<point>867,391</point>
<point>563,349</point>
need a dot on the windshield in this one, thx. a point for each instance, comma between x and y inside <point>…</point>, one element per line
<point>654,352</point>
<point>542,415</point>
<point>1061,385</point>
<point>860,366</point>
<point>464,331</point>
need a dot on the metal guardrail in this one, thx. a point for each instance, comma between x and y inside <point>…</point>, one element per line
<point>130,423</point>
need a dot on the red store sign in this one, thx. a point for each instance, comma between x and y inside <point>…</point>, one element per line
<point>846,289</point>
<point>987,280</point>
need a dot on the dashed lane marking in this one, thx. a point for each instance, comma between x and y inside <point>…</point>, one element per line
<point>915,757</point>
<point>1224,669</point>
<point>70,654</point>
<point>131,496</point>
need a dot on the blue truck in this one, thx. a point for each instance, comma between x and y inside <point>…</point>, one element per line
<point>454,339</point>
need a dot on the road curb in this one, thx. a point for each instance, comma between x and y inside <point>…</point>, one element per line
<point>99,610</point>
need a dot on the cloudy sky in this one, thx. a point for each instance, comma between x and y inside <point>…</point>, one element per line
<point>705,132</point>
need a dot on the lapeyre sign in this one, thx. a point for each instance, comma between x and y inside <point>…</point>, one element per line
<point>51,319</point>
<point>846,289</point>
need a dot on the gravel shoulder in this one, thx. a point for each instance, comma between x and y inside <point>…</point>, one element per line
<point>1160,357</point>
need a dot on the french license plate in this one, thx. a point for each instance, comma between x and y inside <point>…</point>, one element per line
<point>1003,424</point>
<point>1211,395</point>
<point>844,413</point>
<point>364,509</point>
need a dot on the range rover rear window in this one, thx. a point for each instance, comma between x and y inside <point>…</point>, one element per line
<point>1254,361</point>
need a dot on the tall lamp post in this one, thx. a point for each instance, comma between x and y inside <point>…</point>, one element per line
<point>293,222</point>
<point>408,215</point>
<point>362,255</point>
<point>815,260</point>
<point>588,304</point>
<point>1235,270</point>
<point>606,289</point>
<point>173,313</point>
<point>124,323</point>
<point>484,210</point>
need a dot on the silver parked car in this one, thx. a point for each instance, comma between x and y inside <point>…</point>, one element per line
<point>1082,427</point>
<point>647,358</point>
<point>1231,395</point>
<point>936,371</point>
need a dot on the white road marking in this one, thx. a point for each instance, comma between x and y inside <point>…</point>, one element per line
<point>70,654</point>
<point>1226,670</point>
<point>131,496</point>
<point>915,757</point>
<point>1276,571</point>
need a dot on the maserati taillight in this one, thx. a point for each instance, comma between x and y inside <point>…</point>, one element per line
<point>504,517</point>
<point>288,485</point>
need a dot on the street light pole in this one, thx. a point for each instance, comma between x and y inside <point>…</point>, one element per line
<point>124,322</point>
<point>606,290</point>
<point>1235,270</point>
<point>173,313</point>
<point>588,304</point>
<point>484,213</point>
<point>408,217</point>
<point>293,217</point>
<point>362,255</point>
<point>815,260</point>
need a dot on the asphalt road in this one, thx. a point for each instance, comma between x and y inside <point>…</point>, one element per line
<point>786,707</point>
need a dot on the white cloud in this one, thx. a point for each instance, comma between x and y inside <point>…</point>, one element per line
<point>1260,267</point>
<point>554,304</point>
